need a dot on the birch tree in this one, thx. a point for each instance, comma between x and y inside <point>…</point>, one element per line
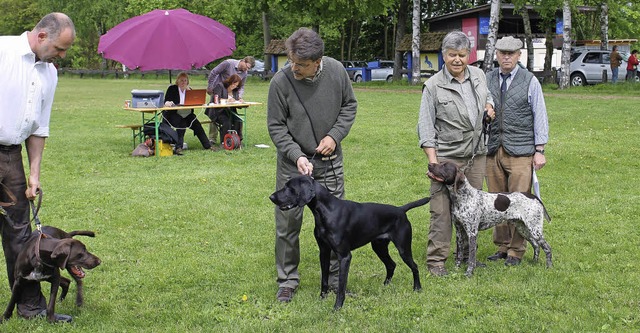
<point>524,12</point>
<point>604,26</point>
<point>415,44</point>
<point>566,44</point>
<point>490,48</point>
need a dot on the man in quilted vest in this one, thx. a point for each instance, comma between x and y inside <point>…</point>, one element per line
<point>517,138</point>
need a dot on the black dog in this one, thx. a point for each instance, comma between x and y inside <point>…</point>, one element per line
<point>41,259</point>
<point>342,226</point>
<point>64,282</point>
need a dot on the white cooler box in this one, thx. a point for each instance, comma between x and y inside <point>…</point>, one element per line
<point>147,98</point>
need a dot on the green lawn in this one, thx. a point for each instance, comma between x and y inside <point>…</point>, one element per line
<point>187,241</point>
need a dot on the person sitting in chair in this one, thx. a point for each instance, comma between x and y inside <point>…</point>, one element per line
<point>183,119</point>
<point>227,118</point>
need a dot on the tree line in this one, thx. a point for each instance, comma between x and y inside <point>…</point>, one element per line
<point>351,29</point>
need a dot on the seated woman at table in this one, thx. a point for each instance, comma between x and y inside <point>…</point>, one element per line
<point>183,119</point>
<point>227,118</point>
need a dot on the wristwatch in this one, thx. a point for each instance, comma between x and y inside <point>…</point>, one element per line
<point>541,151</point>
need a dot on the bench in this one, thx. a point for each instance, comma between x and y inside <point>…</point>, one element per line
<point>136,130</point>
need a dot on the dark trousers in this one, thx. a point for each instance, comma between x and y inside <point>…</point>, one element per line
<point>227,119</point>
<point>289,223</point>
<point>181,124</point>
<point>12,175</point>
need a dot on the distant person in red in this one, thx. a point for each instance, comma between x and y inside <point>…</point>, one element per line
<point>632,65</point>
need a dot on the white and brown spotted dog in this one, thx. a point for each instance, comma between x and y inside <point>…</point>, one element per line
<point>473,210</point>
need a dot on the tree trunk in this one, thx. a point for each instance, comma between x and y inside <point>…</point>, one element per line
<point>524,12</point>
<point>604,26</point>
<point>566,44</point>
<point>548,56</point>
<point>490,48</point>
<point>415,44</point>
<point>266,34</point>
<point>400,29</point>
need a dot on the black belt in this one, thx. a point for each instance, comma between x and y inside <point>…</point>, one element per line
<point>9,147</point>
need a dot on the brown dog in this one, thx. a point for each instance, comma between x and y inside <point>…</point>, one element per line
<point>64,282</point>
<point>41,259</point>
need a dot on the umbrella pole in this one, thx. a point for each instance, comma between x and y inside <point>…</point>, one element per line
<point>169,76</point>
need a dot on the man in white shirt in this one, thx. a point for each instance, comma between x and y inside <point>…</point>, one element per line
<point>29,81</point>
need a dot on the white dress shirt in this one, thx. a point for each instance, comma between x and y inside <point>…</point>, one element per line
<point>27,89</point>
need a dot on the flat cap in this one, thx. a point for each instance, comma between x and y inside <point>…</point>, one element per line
<point>509,44</point>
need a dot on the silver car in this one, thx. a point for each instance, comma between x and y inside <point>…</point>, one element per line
<point>587,67</point>
<point>384,72</point>
<point>354,69</point>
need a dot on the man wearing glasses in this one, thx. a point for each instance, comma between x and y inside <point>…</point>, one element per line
<point>311,107</point>
<point>222,72</point>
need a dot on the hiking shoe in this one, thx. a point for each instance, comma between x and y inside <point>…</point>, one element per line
<point>512,261</point>
<point>285,294</point>
<point>497,256</point>
<point>438,271</point>
<point>59,317</point>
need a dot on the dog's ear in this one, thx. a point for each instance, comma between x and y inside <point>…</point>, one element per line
<point>60,253</point>
<point>460,177</point>
<point>307,191</point>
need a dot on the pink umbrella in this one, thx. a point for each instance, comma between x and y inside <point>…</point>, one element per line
<point>167,39</point>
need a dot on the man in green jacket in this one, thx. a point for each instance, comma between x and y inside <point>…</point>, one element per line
<point>450,129</point>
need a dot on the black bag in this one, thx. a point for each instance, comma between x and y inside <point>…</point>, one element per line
<point>167,133</point>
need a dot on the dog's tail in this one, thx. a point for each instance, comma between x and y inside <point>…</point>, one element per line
<point>415,204</point>
<point>82,233</point>
<point>544,210</point>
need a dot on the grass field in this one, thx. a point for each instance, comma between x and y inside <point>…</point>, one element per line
<point>187,242</point>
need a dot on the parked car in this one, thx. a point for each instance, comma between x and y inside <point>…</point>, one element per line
<point>587,67</point>
<point>384,72</point>
<point>258,69</point>
<point>354,69</point>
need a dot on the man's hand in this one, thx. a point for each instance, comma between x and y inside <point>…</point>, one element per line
<point>304,166</point>
<point>33,187</point>
<point>327,146</point>
<point>490,111</point>
<point>539,161</point>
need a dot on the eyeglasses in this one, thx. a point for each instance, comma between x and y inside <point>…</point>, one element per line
<point>300,65</point>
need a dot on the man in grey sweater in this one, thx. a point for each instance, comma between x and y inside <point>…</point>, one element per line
<point>311,108</point>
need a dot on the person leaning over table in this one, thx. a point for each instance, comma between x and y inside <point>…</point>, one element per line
<point>516,140</point>
<point>311,108</point>
<point>183,119</point>
<point>222,72</point>
<point>29,83</point>
<point>227,118</point>
<point>450,129</point>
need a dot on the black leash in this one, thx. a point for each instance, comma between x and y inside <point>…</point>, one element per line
<point>35,209</point>
<point>484,136</point>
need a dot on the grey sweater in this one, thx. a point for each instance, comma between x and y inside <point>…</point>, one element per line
<point>330,103</point>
